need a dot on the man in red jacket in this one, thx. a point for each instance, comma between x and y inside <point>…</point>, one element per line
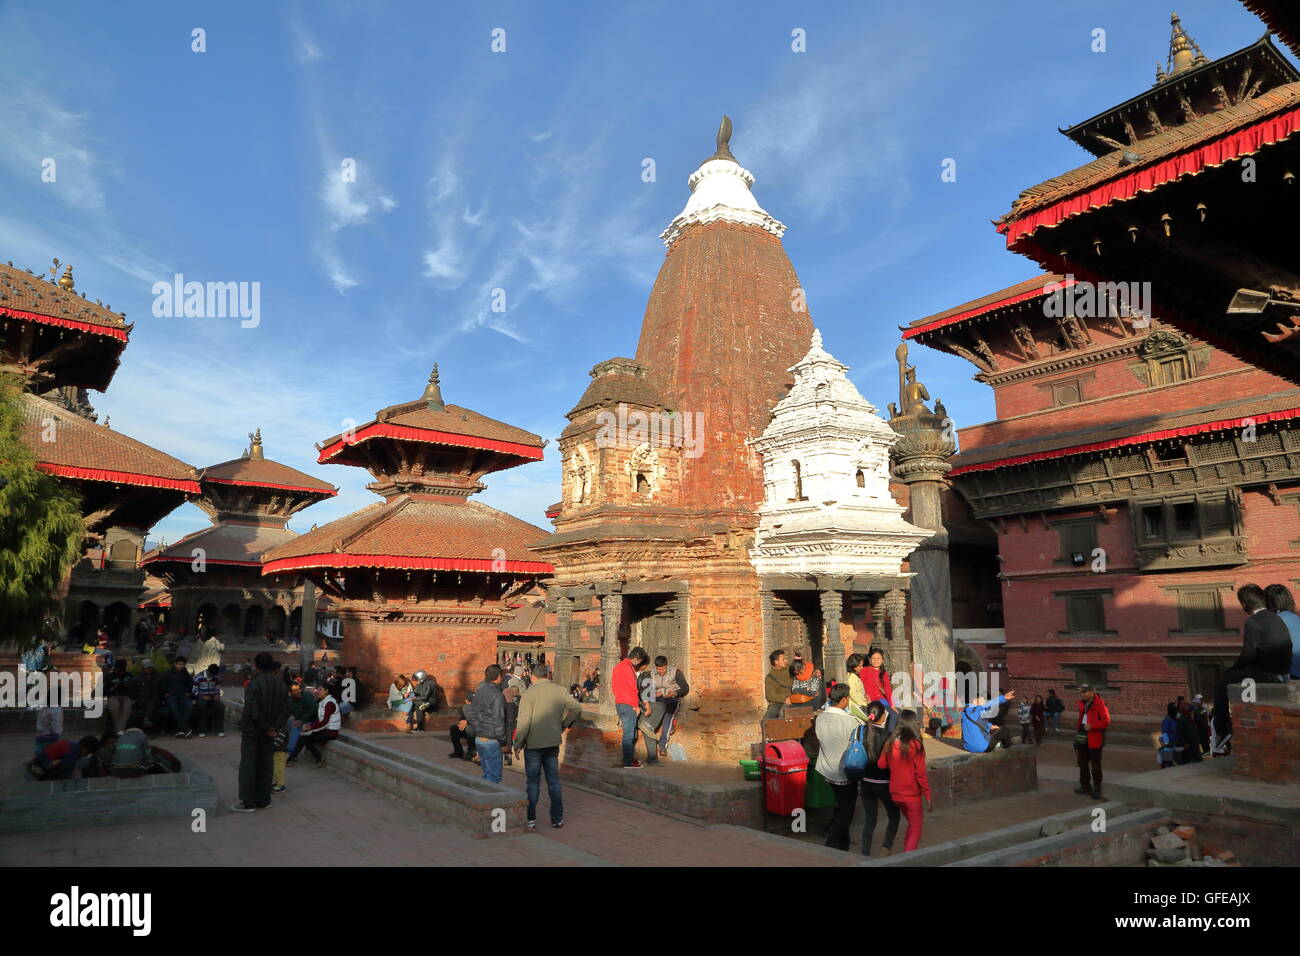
<point>1094,718</point>
<point>628,704</point>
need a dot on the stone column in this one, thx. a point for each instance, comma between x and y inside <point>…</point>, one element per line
<point>832,645</point>
<point>563,663</point>
<point>611,610</point>
<point>308,640</point>
<point>900,653</point>
<point>920,462</point>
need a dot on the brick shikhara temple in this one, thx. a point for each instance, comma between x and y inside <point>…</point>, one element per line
<point>697,524</point>
<point>1145,461</point>
<point>426,577</point>
<point>214,576</point>
<point>61,345</point>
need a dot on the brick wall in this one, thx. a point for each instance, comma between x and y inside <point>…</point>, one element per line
<point>1142,610</point>
<point>1266,734</point>
<point>454,654</point>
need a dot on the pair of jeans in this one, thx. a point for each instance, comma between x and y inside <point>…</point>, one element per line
<point>911,809</point>
<point>295,731</point>
<point>1089,761</point>
<point>846,799</point>
<point>211,716</point>
<point>313,742</point>
<point>773,711</point>
<point>1053,722</point>
<point>536,762</point>
<point>871,793</point>
<point>182,708</point>
<point>256,770</point>
<point>489,758</point>
<point>627,718</point>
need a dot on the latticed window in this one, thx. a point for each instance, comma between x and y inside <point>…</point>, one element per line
<point>1200,610</point>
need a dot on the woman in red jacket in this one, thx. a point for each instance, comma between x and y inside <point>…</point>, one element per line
<point>876,684</point>
<point>904,758</point>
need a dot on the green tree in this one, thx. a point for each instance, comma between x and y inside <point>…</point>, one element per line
<point>41,531</point>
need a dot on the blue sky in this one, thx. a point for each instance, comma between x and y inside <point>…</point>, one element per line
<point>521,171</point>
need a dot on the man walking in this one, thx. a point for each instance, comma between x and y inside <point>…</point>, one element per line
<point>668,687</point>
<point>626,687</point>
<point>487,713</point>
<point>266,709</point>
<point>1265,658</point>
<point>1052,711</point>
<point>545,712</point>
<point>835,726</point>
<point>1094,718</point>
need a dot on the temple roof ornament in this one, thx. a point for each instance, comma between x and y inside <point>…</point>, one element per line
<point>255,445</point>
<point>720,191</point>
<point>433,391</point>
<point>1181,57</point>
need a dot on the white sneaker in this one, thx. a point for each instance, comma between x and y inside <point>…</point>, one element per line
<point>221,734</point>
<point>202,736</point>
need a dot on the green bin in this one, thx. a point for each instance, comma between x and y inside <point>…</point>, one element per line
<point>751,769</point>
<point>819,792</point>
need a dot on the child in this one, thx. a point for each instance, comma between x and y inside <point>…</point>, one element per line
<point>904,758</point>
<point>1026,721</point>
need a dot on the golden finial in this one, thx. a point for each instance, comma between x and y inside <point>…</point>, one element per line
<point>255,444</point>
<point>433,391</point>
<point>66,282</point>
<point>724,140</point>
<point>1181,49</point>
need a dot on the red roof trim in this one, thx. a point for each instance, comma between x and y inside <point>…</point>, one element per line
<point>338,560</point>
<point>267,484</point>
<point>991,307</point>
<point>431,437</point>
<point>1249,139</point>
<point>1130,440</point>
<point>120,477</point>
<point>110,331</point>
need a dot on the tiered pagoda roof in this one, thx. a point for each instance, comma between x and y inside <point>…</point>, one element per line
<point>1282,17</point>
<point>1182,199</point>
<point>54,337</point>
<point>250,499</point>
<point>427,458</point>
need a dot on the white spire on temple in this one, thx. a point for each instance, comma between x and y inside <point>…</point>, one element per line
<point>720,192</point>
<point>828,507</point>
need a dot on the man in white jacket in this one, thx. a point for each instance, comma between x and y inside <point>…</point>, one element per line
<point>834,727</point>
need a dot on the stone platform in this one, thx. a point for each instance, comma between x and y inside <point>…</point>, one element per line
<point>28,805</point>
<point>1257,820</point>
<point>716,792</point>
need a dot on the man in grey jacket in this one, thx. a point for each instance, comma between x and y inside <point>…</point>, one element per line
<point>487,712</point>
<point>545,712</point>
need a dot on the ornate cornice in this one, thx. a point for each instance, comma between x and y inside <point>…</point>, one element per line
<point>1060,363</point>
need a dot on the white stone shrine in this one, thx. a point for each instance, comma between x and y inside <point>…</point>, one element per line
<point>827,507</point>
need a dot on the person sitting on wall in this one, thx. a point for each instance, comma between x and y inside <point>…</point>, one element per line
<point>178,693</point>
<point>1265,658</point>
<point>777,684</point>
<point>978,735</point>
<point>210,712</point>
<point>424,701</point>
<point>401,695</point>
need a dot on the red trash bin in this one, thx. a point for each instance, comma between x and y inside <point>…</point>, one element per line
<point>786,774</point>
